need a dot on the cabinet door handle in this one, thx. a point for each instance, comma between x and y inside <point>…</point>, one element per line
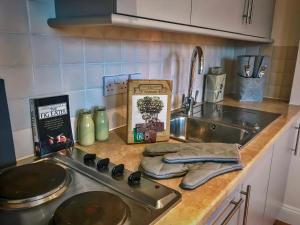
<point>246,209</point>
<point>236,207</point>
<point>246,10</point>
<point>250,12</point>
<point>295,150</point>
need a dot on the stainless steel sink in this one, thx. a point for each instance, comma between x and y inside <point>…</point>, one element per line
<point>218,123</point>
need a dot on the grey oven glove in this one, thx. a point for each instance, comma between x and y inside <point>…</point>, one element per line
<point>196,173</point>
<point>156,168</point>
<point>194,152</point>
<point>200,173</point>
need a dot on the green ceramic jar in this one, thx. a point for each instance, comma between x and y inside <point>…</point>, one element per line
<point>101,124</point>
<point>86,129</point>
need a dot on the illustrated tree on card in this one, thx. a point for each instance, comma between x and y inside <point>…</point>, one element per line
<point>150,107</point>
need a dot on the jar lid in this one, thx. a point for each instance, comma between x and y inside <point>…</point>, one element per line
<point>100,108</point>
<point>84,112</point>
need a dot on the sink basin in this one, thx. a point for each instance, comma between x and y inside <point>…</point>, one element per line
<point>198,130</point>
<point>211,122</point>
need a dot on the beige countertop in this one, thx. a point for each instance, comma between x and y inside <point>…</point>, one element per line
<point>197,205</point>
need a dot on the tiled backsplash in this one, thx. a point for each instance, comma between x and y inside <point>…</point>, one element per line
<point>280,79</point>
<point>36,61</point>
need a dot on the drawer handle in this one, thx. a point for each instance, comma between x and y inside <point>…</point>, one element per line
<point>295,150</point>
<point>236,207</point>
<point>247,194</point>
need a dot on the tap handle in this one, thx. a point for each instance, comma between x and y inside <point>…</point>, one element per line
<point>196,96</point>
<point>183,101</point>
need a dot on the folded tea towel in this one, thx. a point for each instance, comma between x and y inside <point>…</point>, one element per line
<point>194,152</point>
<point>196,173</point>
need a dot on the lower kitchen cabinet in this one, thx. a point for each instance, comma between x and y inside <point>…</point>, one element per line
<point>278,176</point>
<point>255,187</point>
<point>259,197</point>
<point>229,211</point>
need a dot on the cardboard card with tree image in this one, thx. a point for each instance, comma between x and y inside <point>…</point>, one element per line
<point>148,110</point>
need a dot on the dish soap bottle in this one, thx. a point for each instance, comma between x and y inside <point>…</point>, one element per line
<point>101,124</point>
<point>86,129</point>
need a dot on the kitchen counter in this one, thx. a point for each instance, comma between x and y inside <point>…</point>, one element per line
<point>197,205</point>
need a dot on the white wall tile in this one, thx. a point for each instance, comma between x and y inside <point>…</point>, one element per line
<point>142,51</point>
<point>39,13</point>
<point>18,81</point>
<point>94,97</point>
<point>128,51</point>
<point>73,77</point>
<point>166,51</point>
<point>77,102</point>
<point>155,70</point>
<point>14,49</point>
<point>112,51</point>
<point>113,69</point>
<point>128,68</point>
<point>47,80</point>
<point>94,75</point>
<point>19,114</point>
<point>94,50</point>
<point>18,23</point>
<point>239,50</point>
<point>252,50</point>
<point>71,50</point>
<point>166,69</point>
<point>154,51</point>
<point>23,143</point>
<point>143,69</point>
<point>45,50</point>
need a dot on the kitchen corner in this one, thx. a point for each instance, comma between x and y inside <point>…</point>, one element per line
<point>199,204</point>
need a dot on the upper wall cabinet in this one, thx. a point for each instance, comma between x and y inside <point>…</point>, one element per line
<point>249,20</point>
<point>219,14</point>
<point>177,11</point>
<point>248,17</point>
<point>260,18</point>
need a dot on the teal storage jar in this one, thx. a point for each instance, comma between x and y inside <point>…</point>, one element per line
<point>86,129</point>
<point>101,124</point>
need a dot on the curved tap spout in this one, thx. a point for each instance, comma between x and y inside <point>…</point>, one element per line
<point>196,52</point>
<point>189,101</point>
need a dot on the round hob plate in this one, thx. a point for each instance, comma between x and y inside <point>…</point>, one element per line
<point>31,182</point>
<point>92,208</point>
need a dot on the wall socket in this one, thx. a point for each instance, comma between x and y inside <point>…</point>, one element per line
<point>113,85</point>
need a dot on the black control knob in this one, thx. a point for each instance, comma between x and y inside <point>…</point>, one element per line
<point>89,159</point>
<point>118,170</point>
<point>134,178</point>
<point>102,164</point>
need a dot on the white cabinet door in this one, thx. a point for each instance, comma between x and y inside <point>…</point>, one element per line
<point>219,14</point>
<point>292,192</point>
<point>230,15</point>
<point>278,176</point>
<point>258,179</point>
<point>177,11</point>
<point>261,21</point>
